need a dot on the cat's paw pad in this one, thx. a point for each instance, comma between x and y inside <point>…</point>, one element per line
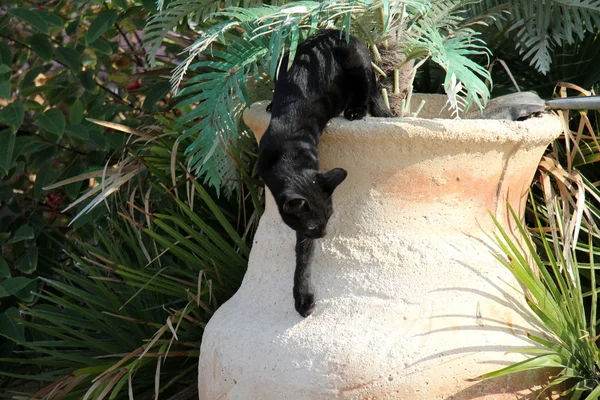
<point>269,107</point>
<point>305,304</point>
<point>353,113</point>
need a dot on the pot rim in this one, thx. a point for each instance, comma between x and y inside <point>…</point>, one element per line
<point>533,131</point>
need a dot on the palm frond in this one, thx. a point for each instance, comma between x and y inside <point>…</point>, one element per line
<point>281,25</point>
<point>540,26</point>
<point>452,46</point>
<point>214,122</point>
<point>244,41</point>
<point>268,32</point>
<point>195,11</point>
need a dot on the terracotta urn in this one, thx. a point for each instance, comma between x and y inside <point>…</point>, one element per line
<point>411,302</point>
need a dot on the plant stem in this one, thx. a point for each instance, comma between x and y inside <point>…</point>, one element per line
<point>133,51</point>
<point>376,53</point>
<point>386,100</point>
<point>141,44</point>
<point>379,70</point>
<point>416,113</point>
<point>115,95</point>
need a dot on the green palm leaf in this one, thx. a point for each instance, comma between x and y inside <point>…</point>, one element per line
<point>540,26</point>
<point>195,11</point>
<point>250,41</point>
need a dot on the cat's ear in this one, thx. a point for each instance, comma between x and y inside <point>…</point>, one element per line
<point>331,179</point>
<point>294,203</point>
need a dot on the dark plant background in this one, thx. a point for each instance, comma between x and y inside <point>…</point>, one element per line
<point>116,300</point>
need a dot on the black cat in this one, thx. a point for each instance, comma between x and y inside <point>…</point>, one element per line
<point>328,75</point>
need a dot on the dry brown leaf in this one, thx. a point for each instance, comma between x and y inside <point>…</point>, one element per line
<point>122,128</point>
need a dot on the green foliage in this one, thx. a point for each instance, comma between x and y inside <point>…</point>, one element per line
<point>239,46</point>
<point>126,315</point>
<point>61,64</point>
<point>223,97</point>
<point>556,261</point>
<point>175,255</point>
<point>103,301</point>
<point>103,21</point>
<point>574,63</point>
<point>536,28</point>
<point>554,293</point>
<point>179,11</point>
<point>126,311</point>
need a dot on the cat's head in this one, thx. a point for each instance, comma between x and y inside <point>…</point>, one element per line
<point>306,206</point>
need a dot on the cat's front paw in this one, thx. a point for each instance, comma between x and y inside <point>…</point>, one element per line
<point>352,113</point>
<point>305,303</point>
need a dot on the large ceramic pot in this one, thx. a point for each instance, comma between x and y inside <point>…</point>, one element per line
<point>411,302</point>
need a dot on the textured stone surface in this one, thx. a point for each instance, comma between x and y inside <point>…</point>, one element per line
<point>410,302</point>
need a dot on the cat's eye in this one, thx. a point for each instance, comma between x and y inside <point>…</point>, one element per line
<point>311,227</point>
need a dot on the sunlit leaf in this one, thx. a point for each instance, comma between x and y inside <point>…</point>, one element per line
<point>101,23</point>
<point>25,232</point>
<point>32,17</point>
<point>52,121</point>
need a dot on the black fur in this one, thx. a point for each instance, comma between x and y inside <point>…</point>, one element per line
<point>328,76</point>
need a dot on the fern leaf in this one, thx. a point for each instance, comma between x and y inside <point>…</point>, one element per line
<point>452,51</point>
<point>268,33</point>
<point>453,55</point>
<point>222,97</point>
<point>542,25</point>
<point>167,19</point>
<point>260,35</point>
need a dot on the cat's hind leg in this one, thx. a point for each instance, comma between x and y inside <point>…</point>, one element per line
<point>358,89</point>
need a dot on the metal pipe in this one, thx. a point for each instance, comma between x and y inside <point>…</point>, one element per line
<point>575,103</point>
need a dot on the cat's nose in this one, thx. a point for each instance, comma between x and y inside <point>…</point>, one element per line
<point>320,234</point>
<point>315,233</point>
